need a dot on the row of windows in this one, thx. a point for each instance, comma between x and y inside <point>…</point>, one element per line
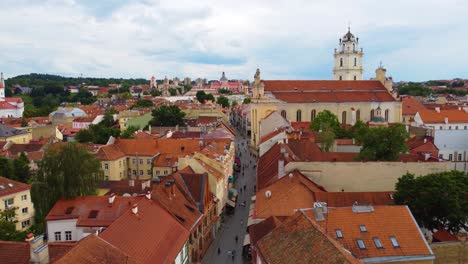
<point>450,157</point>
<point>456,127</point>
<point>141,172</point>
<point>341,78</point>
<point>341,62</point>
<point>343,115</point>
<point>148,161</point>
<point>58,236</point>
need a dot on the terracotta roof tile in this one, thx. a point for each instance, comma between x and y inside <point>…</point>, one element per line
<point>411,106</point>
<point>8,186</point>
<point>59,249</point>
<point>14,252</point>
<point>81,208</point>
<point>300,240</point>
<point>343,199</point>
<point>383,222</point>
<point>443,235</point>
<point>454,116</point>
<point>145,240</point>
<point>109,152</point>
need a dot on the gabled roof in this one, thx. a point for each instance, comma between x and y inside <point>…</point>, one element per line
<point>109,152</point>
<point>91,210</point>
<point>93,250</point>
<point>150,236</point>
<point>300,240</point>
<point>382,223</point>
<point>343,199</point>
<point>411,106</point>
<point>292,192</point>
<point>14,252</point>
<point>6,131</point>
<point>454,116</point>
<point>259,230</point>
<point>8,186</point>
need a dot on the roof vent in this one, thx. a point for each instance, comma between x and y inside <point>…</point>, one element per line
<point>69,210</point>
<point>10,185</point>
<point>268,194</point>
<point>93,214</point>
<point>112,198</point>
<point>2,187</point>
<point>135,209</point>
<point>148,195</point>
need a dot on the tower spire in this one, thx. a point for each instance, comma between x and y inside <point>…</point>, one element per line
<point>2,81</point>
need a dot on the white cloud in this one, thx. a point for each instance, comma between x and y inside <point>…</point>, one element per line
<point>288,39</point>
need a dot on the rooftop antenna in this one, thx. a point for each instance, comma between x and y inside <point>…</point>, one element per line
<point>349,25</point>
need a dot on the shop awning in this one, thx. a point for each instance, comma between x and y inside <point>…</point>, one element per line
<point>246,240</point>
<point>231,203</point>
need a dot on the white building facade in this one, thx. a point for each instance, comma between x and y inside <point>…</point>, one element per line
<point>9,107</point>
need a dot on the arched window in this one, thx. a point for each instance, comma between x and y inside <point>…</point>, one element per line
<point>341,62</point>
<point>355,78</point>
<point>283,114</point>
<point>372,114</point>
<point>312,115</point>
<point>358,115</point>
<point>343,118</point>
<point>354,47</point>
<point>341,78</point>
<point>386,114</point>
<point>355,61</point>
<point>298,115</point>
<point>343,47</point>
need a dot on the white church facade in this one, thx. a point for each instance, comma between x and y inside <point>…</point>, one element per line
<point>9,106</point>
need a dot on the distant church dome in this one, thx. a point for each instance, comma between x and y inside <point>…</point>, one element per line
<point>348,36</point>
<point>223,77</point>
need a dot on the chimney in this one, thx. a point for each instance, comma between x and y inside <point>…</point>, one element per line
<point>39,252</point>
<point>437,109</point>
<point>135,209</point>
<point>111,198</point>
<point>148,195</point>
<point>280,168</point>
<point>425,140</point>
<point>446,120</point>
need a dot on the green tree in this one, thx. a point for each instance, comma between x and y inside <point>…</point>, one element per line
<point>223,101</point>
<point>436,200</point>
<point>234,103</point>
<point>328,119</point>
<point>247,100</point>
<point>24,123</point>
<point>129,132</point>
<point>84,136</point>
<point>66,173</point>
<point>155,92</point>
<point>6,169</point>
<point>21,168</point>
<point>358,131</point>
<point>172,91</point>
<point>383,143</point>
<point>224,91</point>
<point>8,226</point>
<point>201,96</point>
<point>167,116</point>
<point>209,97</point>
<point>415,89</point>
<point>326,138</point>
<point>102,133</point>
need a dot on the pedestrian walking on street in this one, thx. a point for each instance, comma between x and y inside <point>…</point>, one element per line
<point>242,222</point>
<point>237,239</point>
<point>219,251</point>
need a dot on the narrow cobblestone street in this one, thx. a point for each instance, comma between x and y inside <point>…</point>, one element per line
<point>236,223</point>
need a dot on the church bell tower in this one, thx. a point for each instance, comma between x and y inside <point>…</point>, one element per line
<point>348,58</point>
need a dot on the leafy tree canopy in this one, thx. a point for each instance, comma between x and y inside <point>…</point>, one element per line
<point>223,101</point>
<point>66,173</point>
<point>436,200</point>
<point>129,132</point>
<point>383,143</point>
<point>224,91</point>
<point>167,116</point>
<point>143,103</point>
<point>247,100</point>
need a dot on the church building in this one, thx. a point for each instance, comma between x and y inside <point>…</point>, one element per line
<point>9,106</point>
<point>348,96</point>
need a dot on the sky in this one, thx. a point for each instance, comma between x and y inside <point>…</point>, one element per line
<point>416,40</point>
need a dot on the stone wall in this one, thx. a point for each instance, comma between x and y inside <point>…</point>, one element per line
<point>450,252</point>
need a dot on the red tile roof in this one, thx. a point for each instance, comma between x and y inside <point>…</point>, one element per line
<point>14,252</point>
<point>383,222</point>
<point>443,235</point>
<point>320,85</point>
<point>454,116</point>
<point>150,236</point>
<point>300,240</point>
<point>8,186</point>
<point>271,135</point>
<point>59,249</point>
<point>411,106</point>
<point>93,250</point>
<point>259,230</point>
<point>83,208</point>
<point>343,199</point>
<point>109,152</point>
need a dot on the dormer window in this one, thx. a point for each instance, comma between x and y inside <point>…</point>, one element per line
<point>394,242</point>
<point>377,242</point>
<point>361,244</point>
<point>338,233</point>
<point>363,228</point>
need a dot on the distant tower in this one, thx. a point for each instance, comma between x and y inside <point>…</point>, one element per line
<point>258,88</point>
<point>2,87</point>
<point>348,59</point>
<point>153,83</point>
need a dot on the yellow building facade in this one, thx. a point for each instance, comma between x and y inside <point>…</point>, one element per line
<point>17,195</point>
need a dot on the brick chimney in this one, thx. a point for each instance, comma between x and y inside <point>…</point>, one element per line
<point>437,109</point>
<point>135,209</point>
<point>39,252</point>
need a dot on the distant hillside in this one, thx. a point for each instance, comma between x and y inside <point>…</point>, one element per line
<point>44,80</point>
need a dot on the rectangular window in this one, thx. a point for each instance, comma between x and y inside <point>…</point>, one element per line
<point>58,236</point>
<point>465,127</point>
<point>120,163</point>
<point>148,161</point>
<point>24,197</point>
<point>450,127</point>
<point>141,161</point>
<point>134,172</point>
<point>450,156</point>
<point>149,172</point>
<point>460,157</point>
<point>158,172</point>
<point>165,172</point>
<point>441,128</point>
<point>68,235</point>
<point>456,127</point>
<point>106,166</point>
<point>134,161</point>
<point>141,172</point>
<point>361,244</point>
<point>24,210</point>
<point>394,242</point>
<point>441,156</point>
<point>377,242</point>
<point>25,223</point>
<point>338,233</point>
<point>9,202</point>
<point>362,228</point>
<point>107,177</point>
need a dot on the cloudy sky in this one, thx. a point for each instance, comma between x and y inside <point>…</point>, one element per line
<point>287,39</point>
